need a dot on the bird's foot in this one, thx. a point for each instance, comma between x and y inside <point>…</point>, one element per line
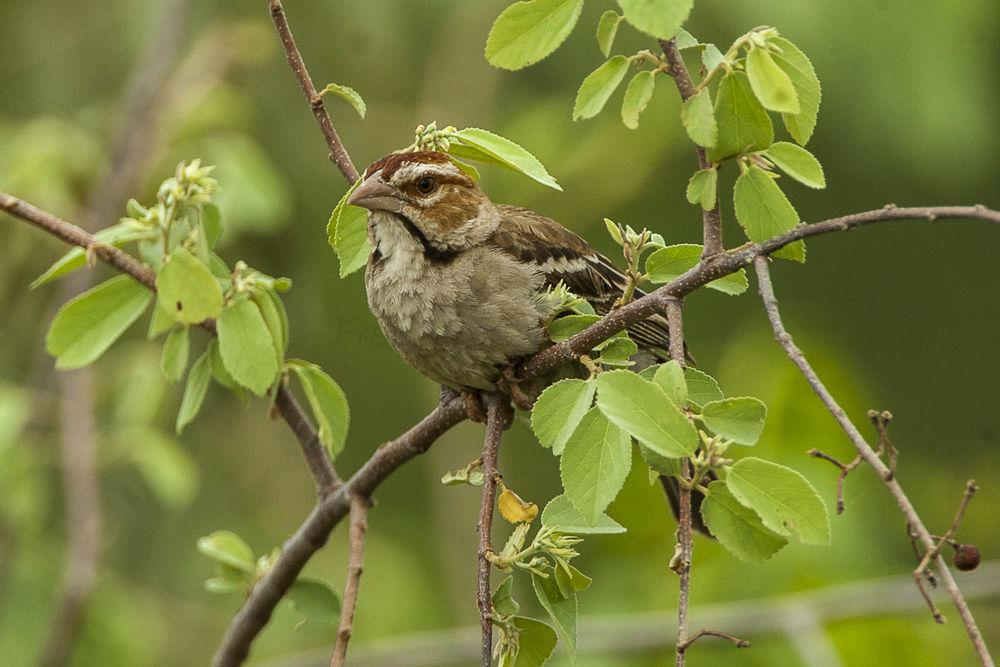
<point>510,383</point>
<point>474,407</point>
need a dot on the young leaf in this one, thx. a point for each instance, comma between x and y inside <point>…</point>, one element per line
<point>743,124</point>
<point>798,163</point>
<point>269,303</point>
<point>187,289</point>
<point>347,94</point>
<point>503,600</point>
<point>116,235</point>
<point>229,548</point>
<point>88,324</point>
<point>194,391</point>
<point>798,68</point>
<point>637,95</point>
<point>558,411</point>
<point>738,528</point>
<point>665,264</point>
<point>670,378</point>
<point>658,18</point>
<point>770,84</point>
<point>595,464</point>
<point>739,419</point>
<point>561,610</point>
<point>175,354</point>
<point>347,232</point>
<point>782,497</point>
<point>246,346</point>
<point>530,30</point>
<point>327,402</point>
<point>535,643</point>
<point>761,207</point>
<point>161,321</point>
<point>702,387</point>
<point>315,599</point>
<point>561,514</point>
<point>686,40</point>
<point>711,57</point>
<point>702,188</point>
<point>211,223</point>
<point>617,351</point>
<point>482,145</point>
<point>643,410</point>
<point>607,28</point>
<point>698,119</point>
<point>598,86</point>
<point>661,465</point>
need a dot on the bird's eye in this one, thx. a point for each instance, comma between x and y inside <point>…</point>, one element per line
<point>426,184</point>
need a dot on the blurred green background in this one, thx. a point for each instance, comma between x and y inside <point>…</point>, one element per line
<point>900,316</point>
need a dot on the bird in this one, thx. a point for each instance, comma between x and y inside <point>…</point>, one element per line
<point>457,282</point>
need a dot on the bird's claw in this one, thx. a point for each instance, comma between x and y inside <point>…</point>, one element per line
<point>474,407</point>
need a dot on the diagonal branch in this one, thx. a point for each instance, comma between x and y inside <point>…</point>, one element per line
<point>869,455</point>
<point>355,566</point>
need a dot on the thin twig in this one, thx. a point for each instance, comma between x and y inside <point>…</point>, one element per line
<point>496,422</point>
<point>845,469</point>
<point>681,563</point>
<point>869,454</point>
<point>711,220</point>
<point>338,154</point>
<point>355,566</point>
<point>739,643</point>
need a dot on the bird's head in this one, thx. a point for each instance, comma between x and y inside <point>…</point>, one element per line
<point>437,202</point>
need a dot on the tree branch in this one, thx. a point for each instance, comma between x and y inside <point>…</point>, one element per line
<point>711,221</point>
<point>496,422</point>
<point>355,566</point>
<point>338,154</point>
<point>869,454</point>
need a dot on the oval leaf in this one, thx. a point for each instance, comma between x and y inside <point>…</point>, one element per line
<point>798,163</point>
<point>315,599</point>
<point>637,96</point>
<point>596,89</point>
<point>770,83</point>
<point>668,263</point>
<point>558,411</point>
<point>187,289</point>
<point>659,18</point>
<point>607,28</point>
<point>502,151</point>
<point>535,642</point>
<point>643,410</point>
<point>670,378</point>
<point>743,123</point>
<point>595,464</point>
<point>703,187</point>
<point>175,354</point>
<point>740,419</point>
<point>702,387</point>
<point>782,497</point>
<point>798,68</point>
<point>562,610</point>
<point>246,346</point>
<point>347,232</point>
<point>88,324</point>
<point>327,402</point>
<point>116,235</point>
<point>762,209</point>
<point>738,528</point>
<point>698,118</point>
<point>194,391</point>
<point>560,513</point>
<point>528,31</point>
<point>229,548</point>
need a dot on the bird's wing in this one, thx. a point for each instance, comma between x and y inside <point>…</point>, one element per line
<point>563,256</point>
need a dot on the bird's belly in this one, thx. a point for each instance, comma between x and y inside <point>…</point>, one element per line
<point>458,323</point>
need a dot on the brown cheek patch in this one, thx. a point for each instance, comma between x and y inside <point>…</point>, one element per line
<point>452,210</point>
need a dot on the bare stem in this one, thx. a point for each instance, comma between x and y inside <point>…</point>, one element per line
<point>338,154</point>
<point>682,561</point>
<point>355,566</point>
<point>868,454</point>
<point>739,643</point>
<point>497,418</point>
<point>845,469</point>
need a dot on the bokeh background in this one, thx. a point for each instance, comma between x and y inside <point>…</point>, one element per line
<point>901,316</point>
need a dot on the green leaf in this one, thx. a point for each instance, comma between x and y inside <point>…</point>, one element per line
<point>670,378</point>
<point>702,387</point>
<point>661,465</point>
<point>116,235</point>
<point>596,89</point>
<point>528,31</point>
<point>743,124</point>
<point>698,118</point>
<point>194,391</point>
<point>561,610</point>
<point>702,189</point>
<point>246,346</point>
<point>535,643</point>
<point>637,96</point>
<point>607,28</point>
<point>315,599</point>
<point>711,57</point>
<point>762,209</point>
<point>490,147</point>
<point>161,321</point>
<point>503,599</point>
<point>327,402</point>
<point>668,263</point>
<point>739,419</point>
<point>782,497</point>
<point>770,83</point>
<point>617,351</point>
<point>347,94</point>
<point>659,18</point>
<point>738,528</point>
<point>795,251</point>
<point>187,289</point>
<point>347,232</point>
<point>594,464</point>
<point>798,163</point>
<point>686,40</point>
<point>272,310</point>
<point>644,410</point>
<point>568,326</point>
<point>88,324</point>
<point>211,223</point>
<point>798,68</point>
<point>558,411</point>
<point>228,548</point>
<point>175,354</point>
<point>560,513</point>
<point>229,580</point>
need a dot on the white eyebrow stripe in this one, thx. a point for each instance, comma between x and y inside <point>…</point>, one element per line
<point>412,170</point>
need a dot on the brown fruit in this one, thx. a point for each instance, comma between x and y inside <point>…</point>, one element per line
<point>966,557</point>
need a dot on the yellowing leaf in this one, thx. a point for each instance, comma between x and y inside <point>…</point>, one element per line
<point>514,509</point>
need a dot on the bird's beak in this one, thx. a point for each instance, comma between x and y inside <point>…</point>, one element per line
<point>376,195</point>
